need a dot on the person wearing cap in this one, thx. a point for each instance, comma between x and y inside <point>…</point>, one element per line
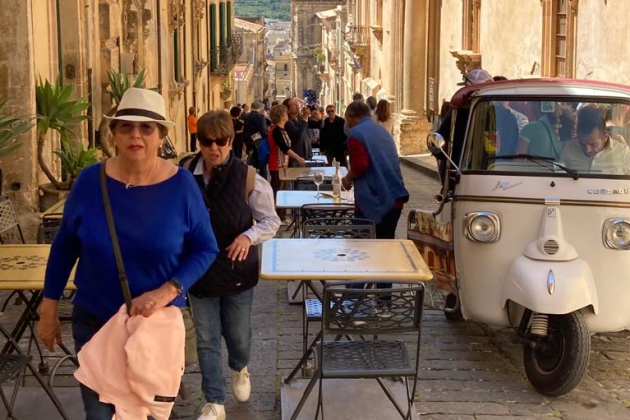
<point>146,193</point>
<point>222,299</point>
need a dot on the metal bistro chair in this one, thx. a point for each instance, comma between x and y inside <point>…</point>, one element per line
<point>315,164</point>
<point>365,312</point>
<point>8,219</point>
<point>318,229</point>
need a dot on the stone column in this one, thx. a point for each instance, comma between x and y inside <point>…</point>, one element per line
<point>413,126</point>
<point>17,87</point>
<point>414,58</point>
<point>390,48</point>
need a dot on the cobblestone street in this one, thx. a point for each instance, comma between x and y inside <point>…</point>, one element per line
<point>469,371</point>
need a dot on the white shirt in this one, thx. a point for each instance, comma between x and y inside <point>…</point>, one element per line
<point>613,159</point>
<point>261,204</point>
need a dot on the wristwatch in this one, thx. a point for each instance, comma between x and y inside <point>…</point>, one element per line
<point>177,285</point>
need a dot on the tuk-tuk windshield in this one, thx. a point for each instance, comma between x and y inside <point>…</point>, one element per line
<point>581,138</point>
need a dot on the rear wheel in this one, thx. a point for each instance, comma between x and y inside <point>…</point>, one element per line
<point>558,362</point>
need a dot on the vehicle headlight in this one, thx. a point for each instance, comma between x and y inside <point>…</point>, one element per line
<point>617,234</point>
<point>482,226</point>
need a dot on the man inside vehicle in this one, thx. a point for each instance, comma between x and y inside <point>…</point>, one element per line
<point>595,150</point>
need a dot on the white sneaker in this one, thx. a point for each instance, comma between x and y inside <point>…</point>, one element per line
<point>212,412</point>
<point>241,388</point>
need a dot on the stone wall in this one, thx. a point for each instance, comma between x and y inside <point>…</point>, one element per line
<point>411,134</point>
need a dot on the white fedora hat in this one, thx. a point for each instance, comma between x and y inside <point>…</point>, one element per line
<point>142,105</point>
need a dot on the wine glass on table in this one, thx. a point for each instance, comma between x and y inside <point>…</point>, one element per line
<point>318,179</point>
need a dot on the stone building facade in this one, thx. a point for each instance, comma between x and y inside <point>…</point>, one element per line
<point>306,37</point>
<point>187,48</point>
<point>253,33</point>
<point>414,52</point>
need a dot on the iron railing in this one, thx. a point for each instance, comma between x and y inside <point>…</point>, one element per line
<point>223,59</point>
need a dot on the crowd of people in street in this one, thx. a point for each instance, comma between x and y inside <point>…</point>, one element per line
<point>188,234</point>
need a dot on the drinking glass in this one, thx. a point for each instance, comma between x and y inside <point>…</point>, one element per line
<point>318,178</point>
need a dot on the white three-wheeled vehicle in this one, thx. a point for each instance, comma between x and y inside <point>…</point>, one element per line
<point>533,229</point>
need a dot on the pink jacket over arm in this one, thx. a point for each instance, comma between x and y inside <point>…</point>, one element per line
<point>136,363</point>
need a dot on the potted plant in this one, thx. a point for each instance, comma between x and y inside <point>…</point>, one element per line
<point>56,111</point>
<point>118,85</point>
<point>10,131</point>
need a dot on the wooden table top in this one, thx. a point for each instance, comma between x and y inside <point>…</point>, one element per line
<point>291,199</point>
<point>23,267</point>
<point>292,174</point>
<point>342,259</point>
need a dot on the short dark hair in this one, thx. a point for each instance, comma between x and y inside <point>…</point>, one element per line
<point>357,97</point>
<point>589,118</point>
<point>357,110</point>
<point>216,124</point>
<point>235,111</point>
<point>371,102</point>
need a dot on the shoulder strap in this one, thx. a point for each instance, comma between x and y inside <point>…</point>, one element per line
<point>251,179</point>
<point>112,232</point>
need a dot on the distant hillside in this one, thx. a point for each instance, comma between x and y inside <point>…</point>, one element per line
<point>270,9</point>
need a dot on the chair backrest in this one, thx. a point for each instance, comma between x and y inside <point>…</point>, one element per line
<point>8,218</point>
<point>47,230</point>
<point>307,184</point>
<point>315,163</point>
<point>372,311</point>
<point>327,211</point>
<point>338,228</point>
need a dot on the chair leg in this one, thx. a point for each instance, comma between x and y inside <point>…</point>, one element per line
<point>307,392</point>
<point>391,397</point>
<point>304,358</point>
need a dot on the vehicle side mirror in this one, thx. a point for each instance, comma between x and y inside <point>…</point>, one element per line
<point>435,144</point>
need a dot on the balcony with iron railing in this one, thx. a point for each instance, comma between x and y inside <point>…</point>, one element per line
<point>358,36</point>
<point>223,58</point>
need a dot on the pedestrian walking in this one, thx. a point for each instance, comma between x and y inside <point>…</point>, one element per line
<point>254,134</point>
<point>332,137</point>
<point>384,117</point>
<point>222,298</point>
<point>192,127</point>
<point>238,143</point>
<point>295,128</point>
<point>146,194</point>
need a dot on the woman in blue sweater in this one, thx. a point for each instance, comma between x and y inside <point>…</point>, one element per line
<point>162,224</point>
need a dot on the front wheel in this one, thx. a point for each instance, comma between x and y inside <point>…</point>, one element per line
<point>557,363</point>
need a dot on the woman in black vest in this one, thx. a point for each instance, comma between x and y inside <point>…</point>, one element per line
<point>222,299</point>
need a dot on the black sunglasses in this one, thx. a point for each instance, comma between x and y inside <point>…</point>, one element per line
<point>208,142</point>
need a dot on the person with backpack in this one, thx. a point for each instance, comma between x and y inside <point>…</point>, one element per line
<point>222,298</point>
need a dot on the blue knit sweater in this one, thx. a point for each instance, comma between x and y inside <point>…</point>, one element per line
<point>163,229</point>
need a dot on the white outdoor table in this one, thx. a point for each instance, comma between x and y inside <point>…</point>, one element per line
<point>292,174</point>
<point>343,259</point>
<point>291,199</point>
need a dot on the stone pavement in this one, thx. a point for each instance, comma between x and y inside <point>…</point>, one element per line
<point>469,371</point>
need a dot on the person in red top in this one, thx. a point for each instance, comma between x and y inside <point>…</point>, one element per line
<point>279,146</point>
<point>192,127</point>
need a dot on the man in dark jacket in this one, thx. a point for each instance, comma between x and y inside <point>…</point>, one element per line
<point>254,133</point>
<point>332,137</point>
<point>295,128</point>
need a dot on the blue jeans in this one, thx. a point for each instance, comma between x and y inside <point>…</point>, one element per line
<point>84,326</point>
<point>227,316</point>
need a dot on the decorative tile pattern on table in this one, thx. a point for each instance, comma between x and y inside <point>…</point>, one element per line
<point>341,255</point>
<point>26,262</point>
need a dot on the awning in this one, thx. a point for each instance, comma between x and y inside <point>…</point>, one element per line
<point>382,94</point>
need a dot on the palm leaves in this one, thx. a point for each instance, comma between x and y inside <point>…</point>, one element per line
<point>74,159</point>
<point>56,111</point>
<point>10,130</point>
<point>120,82</point>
